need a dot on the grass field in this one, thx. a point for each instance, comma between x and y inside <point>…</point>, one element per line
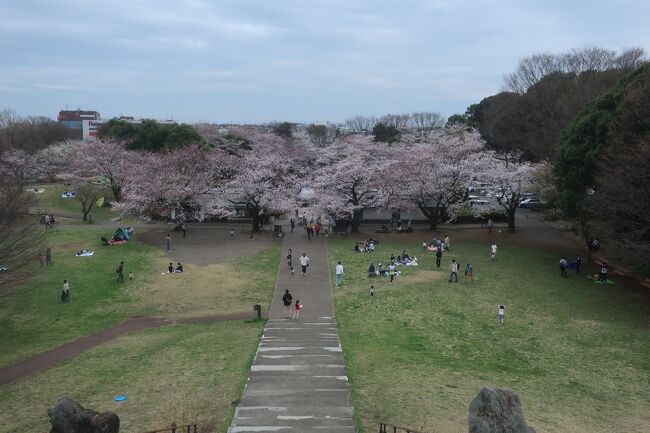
<point>419,351</point>
<point>50,201</point>
<point>183,373</point>
<point>32,318</point>
<point>233,285</point>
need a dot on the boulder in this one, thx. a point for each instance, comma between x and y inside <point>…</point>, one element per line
<point>497,410</point>
<point>68,416</point>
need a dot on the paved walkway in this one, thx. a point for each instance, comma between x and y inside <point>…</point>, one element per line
<point>70,350</point>
<point>297,382</point>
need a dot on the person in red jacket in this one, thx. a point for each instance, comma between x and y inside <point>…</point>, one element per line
<point>296,309</point>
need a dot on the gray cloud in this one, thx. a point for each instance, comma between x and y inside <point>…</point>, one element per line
<point>286,59</point>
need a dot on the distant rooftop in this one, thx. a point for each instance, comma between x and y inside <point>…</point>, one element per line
<point>77,115</point>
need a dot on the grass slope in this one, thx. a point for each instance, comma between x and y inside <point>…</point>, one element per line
<point>32,318</point>
<point>419,351</point>
<point>181,373</point>
<point>50,201</point>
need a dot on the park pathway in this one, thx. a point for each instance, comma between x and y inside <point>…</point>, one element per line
<point>297,382</point>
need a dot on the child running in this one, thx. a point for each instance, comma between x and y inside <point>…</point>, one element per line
<point>296,310</point>
<point>469,272</point>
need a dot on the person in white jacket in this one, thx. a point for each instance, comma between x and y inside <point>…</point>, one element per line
<point>339,273</point>
<point>304,262</point>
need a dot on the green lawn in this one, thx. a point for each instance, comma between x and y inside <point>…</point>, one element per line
<point>33,319</point>
<point>181,373</point>
<point>50,201</point>
<point>419,351</point>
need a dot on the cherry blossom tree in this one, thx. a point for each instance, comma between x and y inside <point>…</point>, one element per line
<point>20,236</point>
<point>107,158</point>
<point>511,178</point>
<point>432,173</point>
<point>349,178</point>
<point>265,180</point>
<point>20,166</point>
<point>56,159</point>
<point>181,183</point>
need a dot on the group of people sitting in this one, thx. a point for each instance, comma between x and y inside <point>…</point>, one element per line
<point>172,270</point>
<point>84,253</point>
<point>436,244</point>
<point>366,246</point>
<point>380,271</point>
<point>404,259</point>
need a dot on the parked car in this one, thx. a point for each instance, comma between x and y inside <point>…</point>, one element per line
<point>478,201</point>
<point>532,203</point>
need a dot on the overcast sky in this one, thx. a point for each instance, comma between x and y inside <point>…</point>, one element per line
<point>299,60</point>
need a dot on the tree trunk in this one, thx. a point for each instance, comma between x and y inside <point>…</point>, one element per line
<point>117,192</point>
<point>256,222</point>
<point>511,222</point>
<point>356,221</point>
<point>432,216</point>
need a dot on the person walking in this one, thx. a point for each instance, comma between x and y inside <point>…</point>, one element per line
<point>438,257</point>
<point>304,263</point>
<point>65,293</point>
<point>308,230</point>
<point>578,264</point>
<point>120,272</point>
<point>493,251</point>
<point>41,259</point>
<point>339,273</point>
<point>447,243</point>
<point>454,271</point>
<point>184,229</point>
<point>469,272</point>
<point>232,233</point>
<point>48,256</point>
<point>131,276</point>
<point>168,242</point>
<point>490,224</point>
<point>502,313</point>
<point>563,266</point>
<point>286,300</point>
<point>604,270</point>
<point>317,229</point>
<point>296,310</point>
<point>290,258</point>
<point>391,272</point>
<point>293,223</point>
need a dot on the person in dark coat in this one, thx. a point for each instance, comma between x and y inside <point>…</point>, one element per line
<point>286,300</point>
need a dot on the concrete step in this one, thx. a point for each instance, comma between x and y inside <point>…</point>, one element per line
<point>291,429</point>
<point>308,417</point>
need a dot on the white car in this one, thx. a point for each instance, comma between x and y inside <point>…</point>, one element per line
<point>479,202</point>
<point>532,202</point>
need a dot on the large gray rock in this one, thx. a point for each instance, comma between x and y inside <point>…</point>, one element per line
<point>68,416</point>
<point>497,410</point>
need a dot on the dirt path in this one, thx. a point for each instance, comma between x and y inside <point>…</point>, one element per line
<point>58,354</point>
